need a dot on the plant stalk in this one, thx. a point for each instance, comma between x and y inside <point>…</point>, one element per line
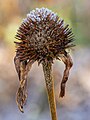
<point>47,68</point>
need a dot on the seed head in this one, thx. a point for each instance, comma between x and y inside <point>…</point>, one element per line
<point>42,36</point>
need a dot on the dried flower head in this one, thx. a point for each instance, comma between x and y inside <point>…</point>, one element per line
<point>42,37</point>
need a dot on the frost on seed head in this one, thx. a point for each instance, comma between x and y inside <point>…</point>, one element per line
<point>36,14</point>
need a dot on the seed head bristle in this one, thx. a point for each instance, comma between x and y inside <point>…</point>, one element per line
<point>42,36</point>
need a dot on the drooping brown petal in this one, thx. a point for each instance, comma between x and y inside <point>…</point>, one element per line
<point>17,65</point>
<point>22,69</point>
<point>68,64</point>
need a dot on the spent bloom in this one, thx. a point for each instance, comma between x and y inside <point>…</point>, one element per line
<point>42,37</point>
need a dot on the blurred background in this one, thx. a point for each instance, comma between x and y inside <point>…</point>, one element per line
<point>76,103</point>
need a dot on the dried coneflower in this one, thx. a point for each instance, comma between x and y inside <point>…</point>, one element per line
<point>43,37</point>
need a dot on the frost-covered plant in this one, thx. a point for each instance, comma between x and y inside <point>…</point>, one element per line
<point>43,37</point>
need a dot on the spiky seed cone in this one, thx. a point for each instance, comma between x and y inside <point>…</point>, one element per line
<point>42,36</point>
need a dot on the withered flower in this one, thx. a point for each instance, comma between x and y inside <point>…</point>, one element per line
<point>43,37</point>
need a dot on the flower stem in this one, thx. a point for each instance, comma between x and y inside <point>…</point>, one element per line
<point>47,68</point>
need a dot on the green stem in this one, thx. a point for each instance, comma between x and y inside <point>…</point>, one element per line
<point>47,68</point>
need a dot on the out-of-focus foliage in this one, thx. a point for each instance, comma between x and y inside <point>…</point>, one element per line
<point>75,105</point>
